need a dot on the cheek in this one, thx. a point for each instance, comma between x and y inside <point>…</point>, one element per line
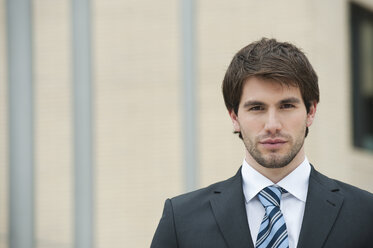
<point>251,127</point>
<point>298,125</point>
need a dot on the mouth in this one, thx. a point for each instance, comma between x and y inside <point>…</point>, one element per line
<point>273,144</point>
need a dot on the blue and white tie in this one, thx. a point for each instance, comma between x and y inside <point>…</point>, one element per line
<point>272,232</point>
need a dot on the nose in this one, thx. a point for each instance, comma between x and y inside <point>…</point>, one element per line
<point>273,123</point>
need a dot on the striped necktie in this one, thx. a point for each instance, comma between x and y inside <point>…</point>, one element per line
<point>272,232</point>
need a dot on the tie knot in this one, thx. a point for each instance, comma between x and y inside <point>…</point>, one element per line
<point>271,196</point>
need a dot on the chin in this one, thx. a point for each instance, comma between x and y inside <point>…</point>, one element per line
<point>275,161</point>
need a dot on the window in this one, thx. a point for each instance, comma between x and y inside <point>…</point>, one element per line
<point>362,75</point>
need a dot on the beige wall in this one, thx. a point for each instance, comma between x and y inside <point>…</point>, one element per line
<point>137,117</point>
<point>137,106</point>
<point>53,124</point>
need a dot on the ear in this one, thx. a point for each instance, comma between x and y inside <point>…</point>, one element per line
<point>311,113</point>
<point>234,118</point>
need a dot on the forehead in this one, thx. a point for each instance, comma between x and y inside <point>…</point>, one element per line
<point>267,90</point>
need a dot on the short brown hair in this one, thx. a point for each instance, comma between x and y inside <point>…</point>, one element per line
<point>270,59</point>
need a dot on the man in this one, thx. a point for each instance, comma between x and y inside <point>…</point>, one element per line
<point>277,198</point>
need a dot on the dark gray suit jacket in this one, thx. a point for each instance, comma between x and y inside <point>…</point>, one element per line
<point>337,215</point>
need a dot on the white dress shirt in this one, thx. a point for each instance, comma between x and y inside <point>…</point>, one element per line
<point>292,204</point>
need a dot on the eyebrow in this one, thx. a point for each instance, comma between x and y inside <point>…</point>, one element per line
<point>252,103</point>
<point>290,100</point>
<point>286,100</point>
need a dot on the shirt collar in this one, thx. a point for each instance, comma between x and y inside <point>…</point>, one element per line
<point>296,183</point>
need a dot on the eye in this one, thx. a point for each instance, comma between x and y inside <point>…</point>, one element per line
<point>256,108</point>
<point>287,106</point>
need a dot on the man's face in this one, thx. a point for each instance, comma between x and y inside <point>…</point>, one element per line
<point>272,119</point>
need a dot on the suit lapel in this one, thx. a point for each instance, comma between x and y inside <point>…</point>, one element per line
<point>228,206</point>
<point>322,208</point>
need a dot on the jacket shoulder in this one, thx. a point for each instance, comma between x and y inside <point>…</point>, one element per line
<point>356,193</point>
<point>351,193</point>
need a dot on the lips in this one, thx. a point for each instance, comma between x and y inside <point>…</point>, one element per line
<point>273,143</point>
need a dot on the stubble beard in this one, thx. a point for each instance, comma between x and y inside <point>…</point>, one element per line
<point>273,159</point>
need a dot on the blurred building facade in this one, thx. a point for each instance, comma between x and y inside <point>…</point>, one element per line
<point>138,126</point>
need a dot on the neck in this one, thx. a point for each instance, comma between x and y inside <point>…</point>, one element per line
<point>276,174</point>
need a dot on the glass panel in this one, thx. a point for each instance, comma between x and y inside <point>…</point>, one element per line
<point>366,84</point>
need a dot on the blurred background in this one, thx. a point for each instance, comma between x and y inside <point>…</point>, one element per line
<point>108,107</point>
